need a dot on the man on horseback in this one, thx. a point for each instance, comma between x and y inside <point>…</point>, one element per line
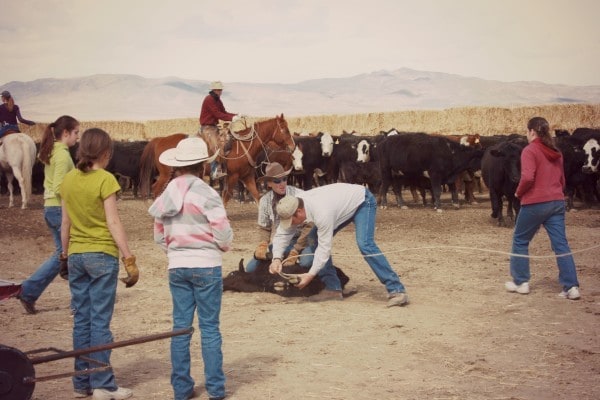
<point>211,112</point>
<point>9,114</point>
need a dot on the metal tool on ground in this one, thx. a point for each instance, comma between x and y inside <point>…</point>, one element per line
<point>17,373</point>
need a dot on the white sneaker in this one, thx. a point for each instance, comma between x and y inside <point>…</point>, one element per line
<point>523,288</point>
<point>120,393</point>
<point>571,294</point>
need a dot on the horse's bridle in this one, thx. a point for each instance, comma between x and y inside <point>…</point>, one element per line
<point>249,138</point>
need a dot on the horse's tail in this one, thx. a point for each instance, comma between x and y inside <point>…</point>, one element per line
<point>29,150</point>
<point>147,168</point>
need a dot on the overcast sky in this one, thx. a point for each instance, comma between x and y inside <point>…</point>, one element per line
<point>288,41</point>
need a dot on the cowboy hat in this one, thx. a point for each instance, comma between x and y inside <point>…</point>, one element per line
<point>216,85</point>
<point>274,170</point>
<point>189,151</point>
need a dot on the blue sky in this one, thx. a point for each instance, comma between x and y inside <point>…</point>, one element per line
<point>288,41</point>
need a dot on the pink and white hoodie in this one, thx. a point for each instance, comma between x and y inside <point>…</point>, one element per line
<point>190,224</point>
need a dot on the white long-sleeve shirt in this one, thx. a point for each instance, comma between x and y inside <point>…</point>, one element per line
<point>327,207</point>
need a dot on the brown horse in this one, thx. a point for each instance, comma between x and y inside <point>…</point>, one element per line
<point>246,149</point>
<point>149,164</point>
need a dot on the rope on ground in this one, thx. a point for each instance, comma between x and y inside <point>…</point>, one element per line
<point>464,248</point>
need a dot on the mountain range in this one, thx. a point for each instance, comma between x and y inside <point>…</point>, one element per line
<point>135,98</point>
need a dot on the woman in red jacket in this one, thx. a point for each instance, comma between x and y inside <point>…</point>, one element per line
<point>542,199</point>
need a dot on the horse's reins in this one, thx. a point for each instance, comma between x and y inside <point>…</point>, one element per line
<point>250,138</point>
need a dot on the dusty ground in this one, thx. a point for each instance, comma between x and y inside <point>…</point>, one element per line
<point>462,336</point>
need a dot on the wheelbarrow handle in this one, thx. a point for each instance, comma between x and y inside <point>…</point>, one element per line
<point>113,345</point>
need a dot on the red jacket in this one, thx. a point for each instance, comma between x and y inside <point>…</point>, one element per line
<point>542,174</point>
<point>213,110</point>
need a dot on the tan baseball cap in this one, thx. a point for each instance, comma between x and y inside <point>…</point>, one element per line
<point>286,209</point>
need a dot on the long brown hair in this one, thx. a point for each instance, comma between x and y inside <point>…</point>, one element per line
<point>53,133</point>
<point>93,144</point>
<point>542,128</point>
<point>11,102</point>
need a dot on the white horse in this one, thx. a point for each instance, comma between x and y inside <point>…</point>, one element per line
<point>17,156</point>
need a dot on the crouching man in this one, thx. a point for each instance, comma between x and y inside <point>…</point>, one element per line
<point>331,208</point>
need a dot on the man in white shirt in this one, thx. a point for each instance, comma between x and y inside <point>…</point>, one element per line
<point>331,208</point>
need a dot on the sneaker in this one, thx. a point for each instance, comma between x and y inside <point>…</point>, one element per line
<point>571,294</point>
<point>523,288</point>
<point>29,307</point>
<point>81,393</point>
<point>327,294</point>
<point>397,299</point>
<point>120,393</point>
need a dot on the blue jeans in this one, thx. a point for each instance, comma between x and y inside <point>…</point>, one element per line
<point>551,215</point>
<point>364,221</point>
<point>327,274</point>
<point>93,282</point>
<point>8,127</point>
<point>200,290</point>
<point>34,286</point>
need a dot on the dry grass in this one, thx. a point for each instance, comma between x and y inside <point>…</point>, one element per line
<point>483,120</point>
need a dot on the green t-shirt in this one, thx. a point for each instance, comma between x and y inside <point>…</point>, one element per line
<point>84,194</point>
<point>54,172</point>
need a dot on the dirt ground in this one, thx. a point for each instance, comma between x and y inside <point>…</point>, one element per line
<point>461,337</point>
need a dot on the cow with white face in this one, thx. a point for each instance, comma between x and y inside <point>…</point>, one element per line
<point>592,156</point>
<point>326,144</point>
<point>362,150</point>
<point>297,158</point>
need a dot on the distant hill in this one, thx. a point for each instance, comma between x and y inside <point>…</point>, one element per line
<point>134,98</point>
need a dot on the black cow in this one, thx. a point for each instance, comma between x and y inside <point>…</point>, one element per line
<point>368,174</point>
<point>125,162</point>
<point>501,172</point>
<point>415,155</point>
<point>577,181</point>
<point>348,148</point>
<point>261,280</point>
<point>312,153</point>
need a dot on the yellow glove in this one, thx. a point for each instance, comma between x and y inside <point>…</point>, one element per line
<point>292,258</point>
<point>261,252</point>
<point>133,272</point>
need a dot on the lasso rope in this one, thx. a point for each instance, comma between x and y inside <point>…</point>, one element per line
<point>464,248</point>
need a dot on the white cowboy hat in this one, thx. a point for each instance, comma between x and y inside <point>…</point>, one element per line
<point>216,85</point>
<point>189,151</point>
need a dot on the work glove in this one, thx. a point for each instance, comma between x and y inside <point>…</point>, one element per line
<point>262,252</point>
<point>275,266</point>
<point>292,258</point>
<point>64,266</point>
<point>133,273</point>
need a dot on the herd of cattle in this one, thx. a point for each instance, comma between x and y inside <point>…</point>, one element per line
<point>424,163</point>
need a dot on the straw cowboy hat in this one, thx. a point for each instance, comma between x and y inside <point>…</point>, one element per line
<point>189,151</point>
<point>216,85</point>
<point>274,170</point>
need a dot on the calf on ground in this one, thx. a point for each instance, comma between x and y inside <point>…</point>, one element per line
<point>261,280</point>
